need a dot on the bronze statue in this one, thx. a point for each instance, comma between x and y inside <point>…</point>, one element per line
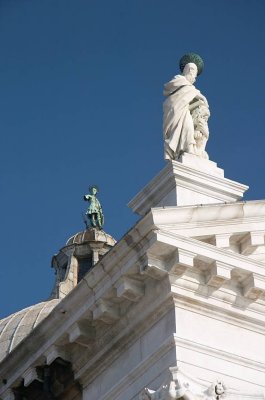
<point>94,212</point>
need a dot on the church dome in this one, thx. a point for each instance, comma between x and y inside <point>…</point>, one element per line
<point>80,253</point>
<point>91,235</point>
<point>15,327</point>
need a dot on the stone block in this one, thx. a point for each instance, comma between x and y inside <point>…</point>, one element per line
<point>253,286</point>
<point>106,312</point>
<point>153,267</point>
<point>55,352</point>
<point>130,288</point>
<point>181,260</point>
<point>218,274</point>
<point>82,333</point>
<point>251,241</point>
<point>31,375</point>
<point>222,240</point>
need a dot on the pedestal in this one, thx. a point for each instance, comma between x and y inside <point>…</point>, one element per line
<point>188,181</point>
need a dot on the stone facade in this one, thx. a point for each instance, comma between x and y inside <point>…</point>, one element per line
<point>176,309</point>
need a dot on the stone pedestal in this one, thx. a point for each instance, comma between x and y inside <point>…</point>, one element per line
<point>188,181</point>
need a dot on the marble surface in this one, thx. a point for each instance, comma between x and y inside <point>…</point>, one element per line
<point>187,181</point>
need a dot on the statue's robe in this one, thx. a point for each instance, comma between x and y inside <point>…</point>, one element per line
<point>177,124</point>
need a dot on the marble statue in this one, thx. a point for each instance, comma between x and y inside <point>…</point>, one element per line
<point>186,112</point>
<point>94,211</point>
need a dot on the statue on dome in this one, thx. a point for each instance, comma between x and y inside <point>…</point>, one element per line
<point>94,212</point>
<point>186,112</point>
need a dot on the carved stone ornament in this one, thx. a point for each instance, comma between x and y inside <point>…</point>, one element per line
<point>173,390</point>
<point>216,391</point>
<point>181,386</point>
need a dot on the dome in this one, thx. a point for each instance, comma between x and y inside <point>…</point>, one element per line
<point>15,327</point>
<point>91,235</point>
<point>80,253</point>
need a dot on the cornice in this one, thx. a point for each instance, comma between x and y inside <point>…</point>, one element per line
<point>212,252</point>
<point>146,259</point>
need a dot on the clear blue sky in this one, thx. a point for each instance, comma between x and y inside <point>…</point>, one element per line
<point>81,102</point>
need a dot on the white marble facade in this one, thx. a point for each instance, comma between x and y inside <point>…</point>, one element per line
<point>175,310</point>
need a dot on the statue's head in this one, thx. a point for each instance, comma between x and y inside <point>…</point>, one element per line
<point>191,58</point>
<point>219,388</point>
<point>93,189</point>
<point>190,72</point>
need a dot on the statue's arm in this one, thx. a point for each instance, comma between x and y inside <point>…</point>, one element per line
<point>200,96</point>
<point>87,197</point>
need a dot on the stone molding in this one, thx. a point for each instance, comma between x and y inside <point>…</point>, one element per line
<point>166,189</point>
<point>210,253</point>
<point>235,219</point>
<point>138,261</point>
<point>218,353</point>
<point>31,375</point>
<point>138,371</point>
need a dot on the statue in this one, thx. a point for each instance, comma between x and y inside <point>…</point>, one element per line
<point>186,112</point>
<point>94,211</point>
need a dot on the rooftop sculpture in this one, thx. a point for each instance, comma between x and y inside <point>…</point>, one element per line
<point>94,212</point>
<point>186,111</point>
<point>182,387</point>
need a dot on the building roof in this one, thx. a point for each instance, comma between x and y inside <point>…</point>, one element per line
<point>89,235</point>
<point>15,327</point>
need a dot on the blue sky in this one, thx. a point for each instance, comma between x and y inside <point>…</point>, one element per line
<point>81,103</point>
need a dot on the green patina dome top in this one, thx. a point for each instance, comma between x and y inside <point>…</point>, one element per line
<point>191,58</point>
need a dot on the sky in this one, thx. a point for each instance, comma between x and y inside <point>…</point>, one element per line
<point>81,103</point>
